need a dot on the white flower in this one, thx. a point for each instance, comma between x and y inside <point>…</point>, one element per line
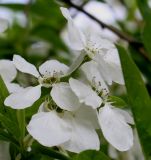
<point>74,131</point>
<point>113,121</point>
<point>91,95</point>
<point>8,73</point>
<point>3,25</point>
<point>48,74</point>
<point>49,129</point>
<point>100,50</point>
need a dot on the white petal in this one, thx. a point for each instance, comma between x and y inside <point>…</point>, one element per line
<point>115,129</point>
<point>3,25</point>
<point>88,114</point>
<point>84,137</point>
<point>128,118</point>
<point>65,12</point>
<point>24,66</point>
<point>64,97</point>
<point>76,37</point>
<point>49,129</point>
<point>85,93</point>
<point>92,73</point>
<point>24,98</point>
<point>103,68</point>
<point>14,87</point>
<point>114,66</point>
<point>108,59</point>
<point>7,70</point>
<point>53,67</point>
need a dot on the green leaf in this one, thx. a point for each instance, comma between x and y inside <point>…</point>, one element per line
<point>5,136</point>
<point>139,100</point>
<point>3,94</point>
<point>146,34</point>
<point>10,126</point>
<point>117,101</point>
<point>91,155</point>
<point>10,113</point>
<point>38,149</point>
<point>144,9</point>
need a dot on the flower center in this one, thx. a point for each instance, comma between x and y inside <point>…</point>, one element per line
<point>50,105</point>
<point>102,92</point>
<point>93,48</point>
<point>48,80</point>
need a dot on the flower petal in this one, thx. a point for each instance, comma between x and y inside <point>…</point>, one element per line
<point>128,118</point>
<point>85,93</point>
<point>92,73</point>
<point>76,37</point>
<point>24,66</point>
<point>14,87</point>
<point>24,98</point>
<point>64,97</point>
<point>108,59</point>
<point>115,129</point>
<point>84,137</point>
<point>88,114</point>
<point>7,70</point>
<point>114,66</point>
<point>53,67</point>
<point>3,25</point>
<point>49,129</point>
<point>103,68</point>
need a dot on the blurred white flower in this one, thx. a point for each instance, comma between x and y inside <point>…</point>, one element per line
<point>98,49</point>
<point>3,24</point>
<point>86,24</point>
<point>4,151</point>
<point>48,74</point>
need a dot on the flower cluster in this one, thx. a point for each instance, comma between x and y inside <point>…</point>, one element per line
<point>73,109</point>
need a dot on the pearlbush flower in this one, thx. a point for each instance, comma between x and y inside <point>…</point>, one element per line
<point>48,74</point>
<point>73,131</point>
<point>3,25</point>
<point>111,120</point>
<point>98,49</point>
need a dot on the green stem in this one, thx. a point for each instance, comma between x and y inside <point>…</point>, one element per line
<point>21,123</point>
